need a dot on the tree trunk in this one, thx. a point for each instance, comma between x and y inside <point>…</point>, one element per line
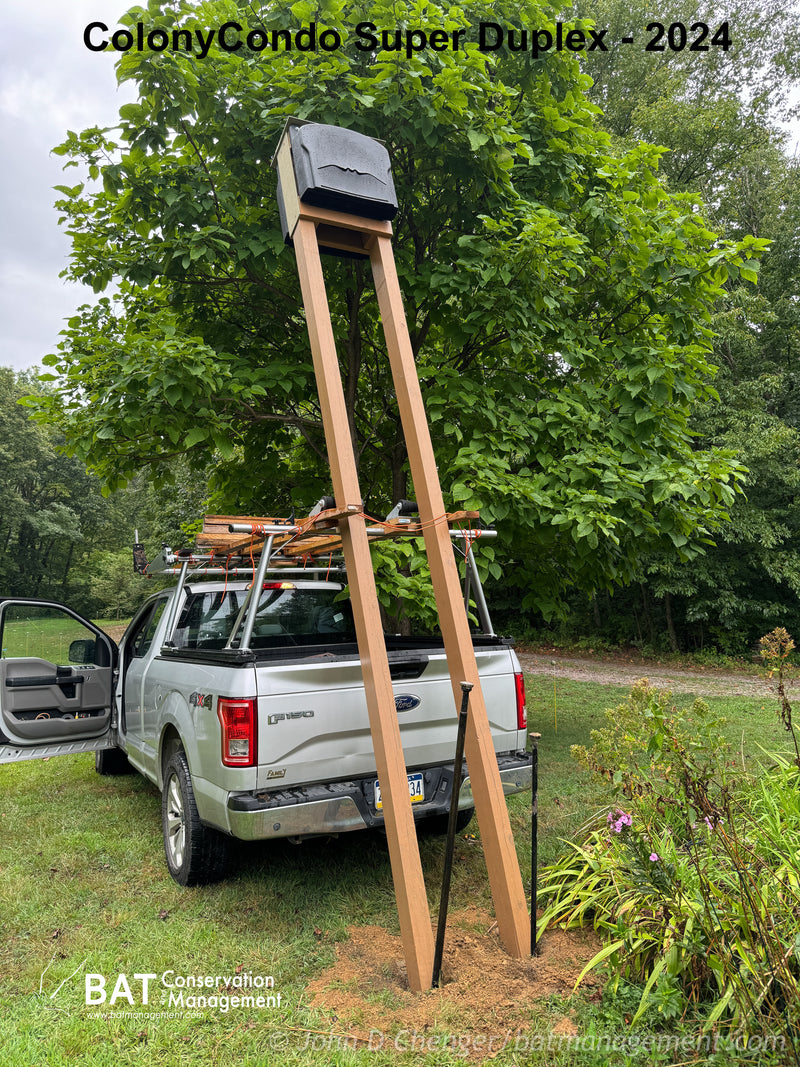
<point>67,566</point>
<point>647,615</point>
<point>636,620</point>
<point>396,622</point>
<point>352,348</point>
<point>399,473</point>
<point>673,637</point>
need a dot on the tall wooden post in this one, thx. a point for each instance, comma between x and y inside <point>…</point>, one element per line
<point>502,865</point>
<point>412,902</point>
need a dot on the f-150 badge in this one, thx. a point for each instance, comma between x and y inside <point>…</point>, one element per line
<point>281,715</point>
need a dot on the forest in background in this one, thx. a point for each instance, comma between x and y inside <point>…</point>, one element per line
<point>720,123</point>
<point>727,144</point>
<point>60,537</point>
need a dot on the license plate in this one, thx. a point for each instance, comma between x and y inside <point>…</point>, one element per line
<point>416,791</point>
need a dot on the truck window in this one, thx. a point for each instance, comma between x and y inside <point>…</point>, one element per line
<point>302,617</point>
<point>143,639</point>
<point>207,618</point>
<point>49,633</point>
<point>286,616</point>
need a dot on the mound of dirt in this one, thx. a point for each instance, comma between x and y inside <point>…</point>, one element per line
<point>484,990</point>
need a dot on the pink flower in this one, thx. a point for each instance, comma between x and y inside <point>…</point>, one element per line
<point>654,857</point>
<point>617,819</point>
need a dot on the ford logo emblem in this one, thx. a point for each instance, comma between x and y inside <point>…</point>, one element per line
<point>407,702</point>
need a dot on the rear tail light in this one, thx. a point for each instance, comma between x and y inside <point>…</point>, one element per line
<point>238,721</point>
<point>522,717</point>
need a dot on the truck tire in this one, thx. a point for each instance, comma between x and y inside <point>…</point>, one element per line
<point>196,854</point>
<point>108,761</point>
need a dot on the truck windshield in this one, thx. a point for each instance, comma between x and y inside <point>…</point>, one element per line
<point>285,616</point>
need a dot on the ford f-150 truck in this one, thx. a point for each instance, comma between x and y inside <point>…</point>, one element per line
<point>253,738</point>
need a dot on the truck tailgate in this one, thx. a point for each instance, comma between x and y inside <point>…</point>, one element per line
<point>312,716</point>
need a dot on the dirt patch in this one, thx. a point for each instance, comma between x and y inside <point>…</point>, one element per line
<point>115,630</point>
<point>484,990</point>
<point>676,679</point>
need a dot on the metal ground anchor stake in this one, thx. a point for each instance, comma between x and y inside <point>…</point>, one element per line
<point>466,688</point>
<point>535,738</point>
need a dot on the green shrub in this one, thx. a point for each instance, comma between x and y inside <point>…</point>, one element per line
<point>695,876</point>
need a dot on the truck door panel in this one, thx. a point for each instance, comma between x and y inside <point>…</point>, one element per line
<point>56,676</point>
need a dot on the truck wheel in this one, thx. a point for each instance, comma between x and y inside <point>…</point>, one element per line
<point>196,854</point>
<point>108,761</point>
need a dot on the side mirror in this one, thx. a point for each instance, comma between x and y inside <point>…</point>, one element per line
<point>82,651</point>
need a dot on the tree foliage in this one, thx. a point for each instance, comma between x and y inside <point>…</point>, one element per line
<point>60,537</point>
<point>49,501</point>
<point>714,109</point>
<point>752,578</point>
<point>559,297</point>
<point>718,116</point>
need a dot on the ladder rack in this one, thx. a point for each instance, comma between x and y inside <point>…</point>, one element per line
<point>280,546</point>
<point>230,544</point>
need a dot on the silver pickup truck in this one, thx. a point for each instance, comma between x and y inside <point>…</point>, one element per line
<point>262,741</point>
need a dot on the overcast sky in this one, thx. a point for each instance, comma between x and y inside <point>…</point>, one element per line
<point>49,83</point>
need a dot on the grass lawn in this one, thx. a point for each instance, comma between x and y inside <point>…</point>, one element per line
<point>84,888</point>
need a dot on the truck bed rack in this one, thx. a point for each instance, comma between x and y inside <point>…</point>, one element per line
<point>231,546</point>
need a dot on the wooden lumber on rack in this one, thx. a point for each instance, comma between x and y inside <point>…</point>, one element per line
<point>310,539</point>
<point>216,537</point>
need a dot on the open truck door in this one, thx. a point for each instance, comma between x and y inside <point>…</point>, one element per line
<point>57,675</point>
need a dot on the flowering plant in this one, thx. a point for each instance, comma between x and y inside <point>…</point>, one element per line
<point>695,877</point>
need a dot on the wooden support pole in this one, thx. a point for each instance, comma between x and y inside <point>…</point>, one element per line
<point>412,901</point>
<point>505,878</point>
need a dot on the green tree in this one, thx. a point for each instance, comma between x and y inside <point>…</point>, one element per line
<point>58,533</point>
<point>49,501</point>
<point>715,109</point>
<point>751,579</point>
<point>717,113</point>
<point>559,297</point>
<point>116,589</point>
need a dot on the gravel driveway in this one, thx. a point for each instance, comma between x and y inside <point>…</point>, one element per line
<point>611,672</point>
